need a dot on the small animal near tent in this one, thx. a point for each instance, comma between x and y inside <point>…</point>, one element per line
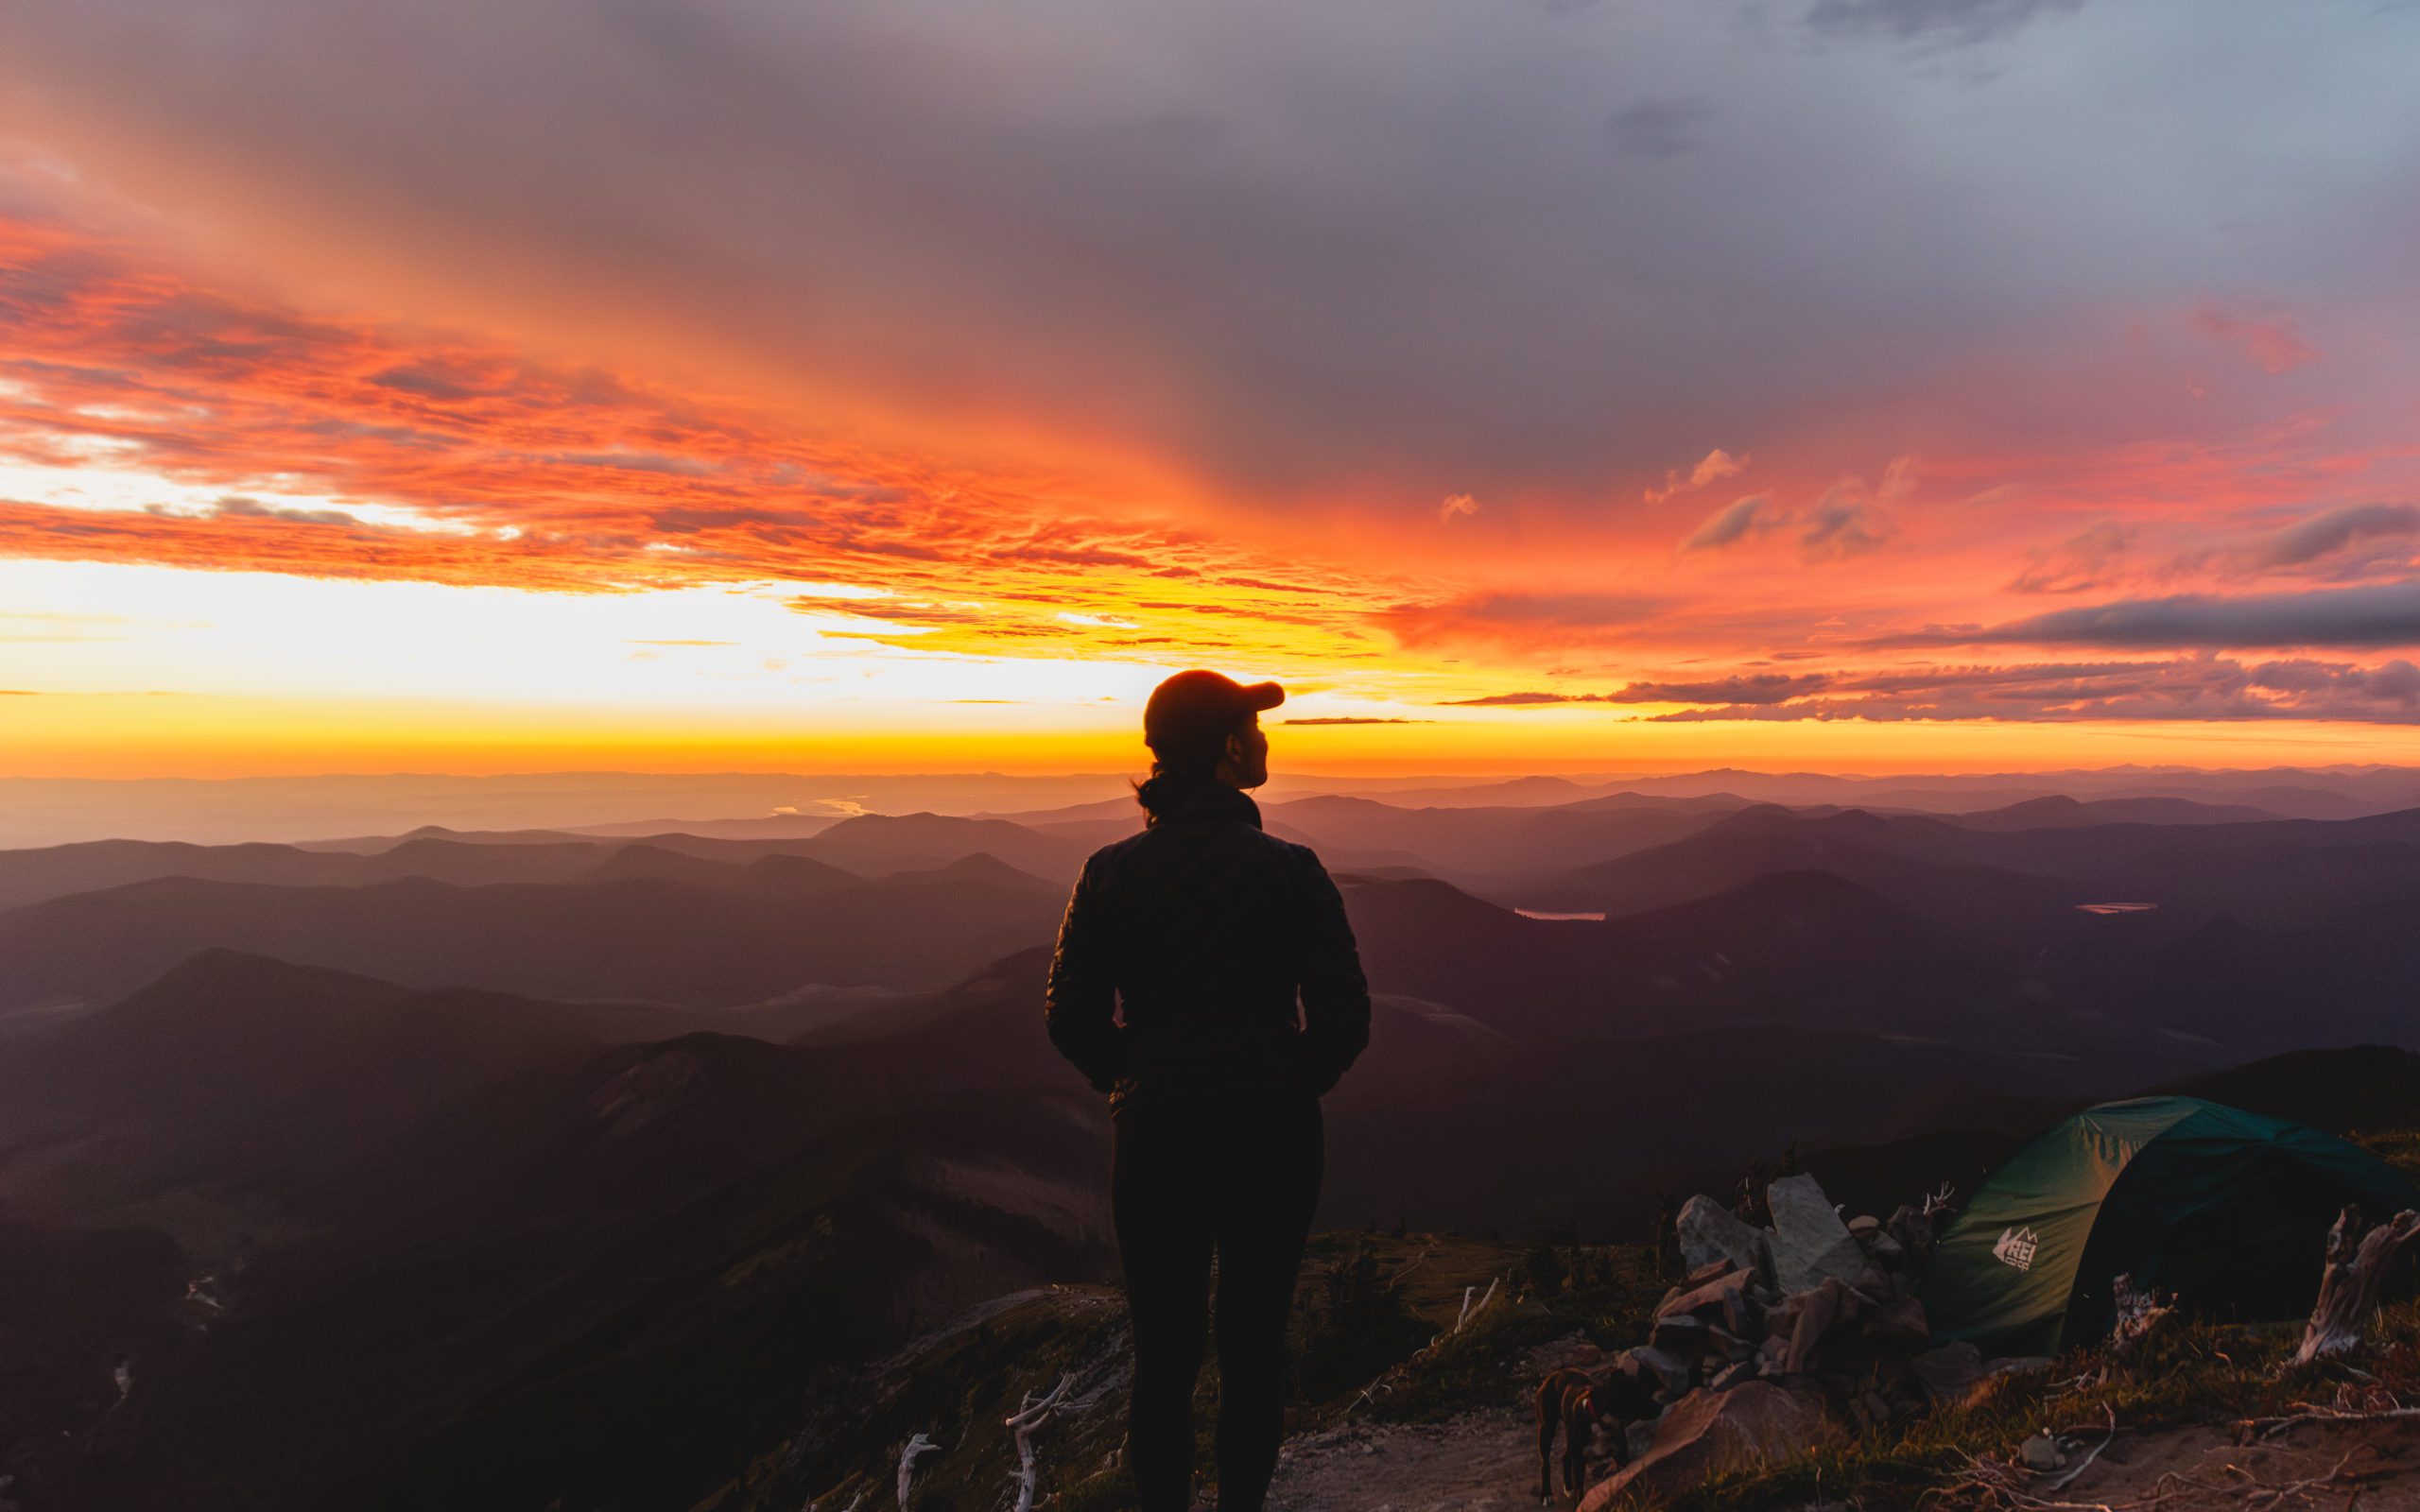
<point>2228,1209</point>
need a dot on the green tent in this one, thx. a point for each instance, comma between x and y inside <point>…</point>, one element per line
<point>2226,1208</point>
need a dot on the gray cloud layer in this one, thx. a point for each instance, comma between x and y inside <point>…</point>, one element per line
<point>2332,531</point>
<point>2187,688</point>
<point>2382,616</point>
<point>1962,20</point>
<point>1416,247</point>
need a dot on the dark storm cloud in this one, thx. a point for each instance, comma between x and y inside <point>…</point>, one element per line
<point>2380,617</point>
<point>1358,250</point>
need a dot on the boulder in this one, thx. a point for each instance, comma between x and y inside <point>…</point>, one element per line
<point>1638,1439</point>
<point>1721,1292</point>
<point>1679,1333</point>
<point>1711,1233</point>
<point>1739,1314</point>
<point>2018,1365</point>
<point>1950,1372</point>
<point>2041,1455</point>
<point>1710,1432</point>
<point>1675,1373</point>
<point>1809,1241</point>
<point>1900,1323</point>
<point>1817,1312</point>
<point>1781,1319</point>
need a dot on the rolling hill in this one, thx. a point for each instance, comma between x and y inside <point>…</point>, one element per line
<point>708,939</point>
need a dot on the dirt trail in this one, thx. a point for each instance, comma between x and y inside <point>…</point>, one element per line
<point>1485,1462</point>
<point>2315,1465</point>
<point>1478,1462</point>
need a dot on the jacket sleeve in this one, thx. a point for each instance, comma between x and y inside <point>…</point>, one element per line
<point>1336,996</point>
<point>1081,1004</point>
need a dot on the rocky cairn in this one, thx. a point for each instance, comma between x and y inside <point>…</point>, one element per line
<point>1778,1335</point>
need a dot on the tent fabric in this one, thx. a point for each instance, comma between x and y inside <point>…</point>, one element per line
<point>2227,1209</point>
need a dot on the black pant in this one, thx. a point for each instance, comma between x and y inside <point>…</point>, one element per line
<point>1194,1172</point>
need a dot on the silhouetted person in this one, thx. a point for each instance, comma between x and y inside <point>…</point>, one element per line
<point>1204,930</point>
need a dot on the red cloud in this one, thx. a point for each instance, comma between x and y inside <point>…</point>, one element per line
<point>521,474</point>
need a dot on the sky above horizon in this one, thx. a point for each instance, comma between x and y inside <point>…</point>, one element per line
<point>1896,385</point>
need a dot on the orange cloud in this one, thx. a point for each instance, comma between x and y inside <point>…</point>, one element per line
<point>1715,465</point>
<point>240,434</point>
<point>435,458</point>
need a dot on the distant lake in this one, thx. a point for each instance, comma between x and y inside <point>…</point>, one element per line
<point>1535,913</point>
<point>2114,909</point>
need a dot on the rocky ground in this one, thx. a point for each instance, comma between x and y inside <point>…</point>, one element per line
<point>2374,1466</point>
<point>1420,1352</point>
<point>1476,1462</point>
<point>1484,1462</point>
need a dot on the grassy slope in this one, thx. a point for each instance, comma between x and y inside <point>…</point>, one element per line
<point>2201,1374</point>
<point>1373,1339</point>
<point>1367,1304</point>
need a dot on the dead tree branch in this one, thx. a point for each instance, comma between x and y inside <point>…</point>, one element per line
<point>916,1449</point>
<point>1030,1415</point>
<point>2269,1427</point>
<point>2141,1314</point>
<point>2359,1259</point>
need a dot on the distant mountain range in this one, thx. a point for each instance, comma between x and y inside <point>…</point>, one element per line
<point>725,937</point>
<point>466,1251</point>
<point>866,846</point>
<point>783,805</point>
<point>472,1168</point>
<point>1969,928</point>
<point>454,1235</point>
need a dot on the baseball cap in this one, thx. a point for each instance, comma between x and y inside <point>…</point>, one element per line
<point>1201,706</point>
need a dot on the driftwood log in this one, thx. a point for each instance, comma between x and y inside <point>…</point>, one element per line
<point>2141,1313</point>
<point>1030,1416</point>
<point>2359,1257</point>
<point>916,1449</point>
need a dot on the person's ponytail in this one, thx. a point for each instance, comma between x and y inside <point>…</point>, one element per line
<point>1178,774</point>
<point>1167,787</point>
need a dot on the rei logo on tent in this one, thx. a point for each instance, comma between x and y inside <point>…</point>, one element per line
<point>2015,1247</point>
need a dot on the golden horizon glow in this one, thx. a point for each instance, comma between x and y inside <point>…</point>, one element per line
<point>239,537</point>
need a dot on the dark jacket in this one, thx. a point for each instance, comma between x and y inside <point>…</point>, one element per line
<point>1204,929</point>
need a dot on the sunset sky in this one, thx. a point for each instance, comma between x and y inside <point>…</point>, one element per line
<point>1866,385</point>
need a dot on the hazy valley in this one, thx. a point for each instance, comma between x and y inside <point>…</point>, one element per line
<point>528,1166</point>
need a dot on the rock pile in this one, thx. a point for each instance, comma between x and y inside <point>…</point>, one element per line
<point>1811,1300</point>
<point>1820,1310</point>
